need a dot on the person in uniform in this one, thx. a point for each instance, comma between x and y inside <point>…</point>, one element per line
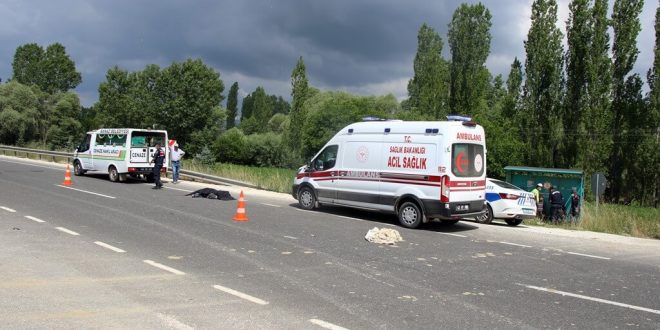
<point>158,159</point>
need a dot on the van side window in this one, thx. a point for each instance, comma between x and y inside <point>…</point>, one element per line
<point>326,159</point>
<point>84,145</point>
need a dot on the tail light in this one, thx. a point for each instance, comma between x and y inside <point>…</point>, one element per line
<point>509,196</point>
<point>131,169</point>
<point>444,190</point>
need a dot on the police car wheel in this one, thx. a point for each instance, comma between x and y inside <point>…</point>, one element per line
<point>306,198</point>
<point>113,174</point>
<point>513,222</point>
<point>487,217</point>
<point>410,215</point>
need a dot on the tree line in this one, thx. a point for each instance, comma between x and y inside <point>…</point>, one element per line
<point>579,107</point>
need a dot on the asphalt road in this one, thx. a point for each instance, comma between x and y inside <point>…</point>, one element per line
<point>122,255</point>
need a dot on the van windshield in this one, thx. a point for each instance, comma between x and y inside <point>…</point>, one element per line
<point>147,139</point>
<point>467,160</point>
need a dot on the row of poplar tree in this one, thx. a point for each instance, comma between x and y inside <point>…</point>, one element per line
<point>579,107</point>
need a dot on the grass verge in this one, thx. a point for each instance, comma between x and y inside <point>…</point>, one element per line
<point>614,219</point>
<point>268,178</point>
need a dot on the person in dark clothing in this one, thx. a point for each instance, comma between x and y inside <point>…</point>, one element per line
<point>557,202</point>
<point>158,159</point>
<point>575,205</point>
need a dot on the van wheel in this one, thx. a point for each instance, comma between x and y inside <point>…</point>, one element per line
<point>306,198</point>
<point>487,217</point>
<point>113,174</point>
<point>77,169</point>
<point>410,215</point>
<point>513,222</point>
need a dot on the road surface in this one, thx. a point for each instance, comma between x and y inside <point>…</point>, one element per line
<point>122,255</point>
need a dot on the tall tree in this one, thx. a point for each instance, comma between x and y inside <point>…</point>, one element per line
<point>51,70</point>
<point>469,40</point>
<point>428,91</point>
<point>579,34</point>
<point>651,172</point>
<point>232,105</point>
<point>262,108</point>
<point>596,122</point>
<point>543,85</point>
<point>626,27</point>
<point>298,115</point>
<point>513,90</point>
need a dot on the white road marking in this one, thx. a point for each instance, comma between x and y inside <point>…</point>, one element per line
<point>28,164</point>
<point>273,205</point>
<point>163,267</point>
<point>108,246</point>
<point>173,323</point>
<point>64,230</point>
<point>295,208</point>
<point>326,325</point>
<point>575,295</point>
<point>365,220</point>
<point>7,209</point>
<point>514,244</point>
<point>34,219</point>
<point>85,191</point>
<point>241,295</point>
<point>184,190</point>
<point>450,234</point>
<point>588,255</point>
<point>291,237</point>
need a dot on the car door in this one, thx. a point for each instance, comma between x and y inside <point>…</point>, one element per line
<point>324,173</point>
<point>84,152</point>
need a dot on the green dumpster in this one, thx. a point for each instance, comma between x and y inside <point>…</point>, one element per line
<point>562,179</point>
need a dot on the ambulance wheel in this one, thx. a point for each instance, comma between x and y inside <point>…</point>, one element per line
<point>306,198</point>
<point>77,169</point>
<point>410,215</point>
<point>513,222</point>
<point>487,217</point>
<point>113,174</point>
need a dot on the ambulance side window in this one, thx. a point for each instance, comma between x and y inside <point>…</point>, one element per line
<point>326,159</point>
<point>84,145</point>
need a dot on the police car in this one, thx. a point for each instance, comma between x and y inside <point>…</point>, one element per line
<point>508,202</point>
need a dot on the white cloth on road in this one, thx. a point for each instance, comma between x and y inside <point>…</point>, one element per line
<point>383,236</point>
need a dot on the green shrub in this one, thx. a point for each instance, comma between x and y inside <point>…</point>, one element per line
<point>231,147</point>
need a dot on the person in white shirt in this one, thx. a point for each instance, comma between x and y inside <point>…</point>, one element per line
<point>176,155</point>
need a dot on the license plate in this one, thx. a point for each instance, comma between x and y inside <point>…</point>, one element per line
<point>462,207</point>
<point>529,211</point>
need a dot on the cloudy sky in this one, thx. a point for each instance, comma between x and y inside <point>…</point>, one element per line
<point>365,47</point>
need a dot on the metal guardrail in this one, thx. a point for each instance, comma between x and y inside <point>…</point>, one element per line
<point>196,176</point>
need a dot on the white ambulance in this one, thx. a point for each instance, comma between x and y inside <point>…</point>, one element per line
<point>120,152</point>
<point>419,170</point>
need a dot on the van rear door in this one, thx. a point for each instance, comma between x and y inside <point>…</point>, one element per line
<point>139,152</point>
<point>468,169</point>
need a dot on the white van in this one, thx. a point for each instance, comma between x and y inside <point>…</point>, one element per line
<point>419,170</point>
<point>119,152</point>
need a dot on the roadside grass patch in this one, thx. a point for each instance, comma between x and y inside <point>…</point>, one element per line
<point>268,178</point>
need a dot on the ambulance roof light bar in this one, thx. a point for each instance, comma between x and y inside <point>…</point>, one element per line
<point>467,120</point>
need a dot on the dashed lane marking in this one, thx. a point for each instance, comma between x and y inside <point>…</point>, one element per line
<point>171,322</point>
<point>588,255</point>
<point>241,295</point>
<point>34,219</point>
<point>273,205</point>
<point>450,234</point>
<point>575,295</point>
<point>64,230</point>
<point>163,267</point>
<point>85,191</point>
<point>291,237</point>
<point>515,244</point>
<point>364,220</point>
<point>110,247</point>
<point>326,325</point>
<point>7,209</point>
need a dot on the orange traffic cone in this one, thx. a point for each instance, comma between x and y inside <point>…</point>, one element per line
<point>67,176</point>
<point>240,210</point>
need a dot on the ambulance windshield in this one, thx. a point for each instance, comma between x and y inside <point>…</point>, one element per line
<point>467,160</point>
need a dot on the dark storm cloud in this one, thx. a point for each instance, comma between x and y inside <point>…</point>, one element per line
<point>360,46</point>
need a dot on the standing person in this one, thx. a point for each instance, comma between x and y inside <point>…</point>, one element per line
<point>158,159</point>
<point>557,201</point>
<point>176,155</point>
<point>538,197</point>
<point>575,205</point>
